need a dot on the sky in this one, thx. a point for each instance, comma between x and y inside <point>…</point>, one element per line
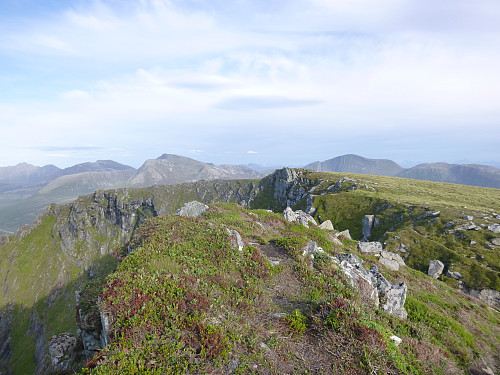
<point>249,81</point>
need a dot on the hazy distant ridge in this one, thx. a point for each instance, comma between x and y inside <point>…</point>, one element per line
<point>357,164</point>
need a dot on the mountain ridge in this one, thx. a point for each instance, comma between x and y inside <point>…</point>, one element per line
<point>42,266</point>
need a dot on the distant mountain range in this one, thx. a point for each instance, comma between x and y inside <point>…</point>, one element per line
<point>25,190</point>
<point>464,174</point>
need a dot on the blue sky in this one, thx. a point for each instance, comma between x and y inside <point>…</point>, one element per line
<point>276,83</point>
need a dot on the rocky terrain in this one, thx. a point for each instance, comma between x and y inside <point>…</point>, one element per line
<point>423,255</point>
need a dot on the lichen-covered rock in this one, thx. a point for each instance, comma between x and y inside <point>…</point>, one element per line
<point>358,276</point>
<point>61,350</point>
<point>192,209</point>
<point>344,234</point>
<point>436,268</point>
<point>326,225</point>
<point>393,299</point>
<point>391,260</point>
<point>370,247</point>
<point>299,216</point>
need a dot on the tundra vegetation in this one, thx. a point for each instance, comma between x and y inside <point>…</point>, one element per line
<point>182,299</point>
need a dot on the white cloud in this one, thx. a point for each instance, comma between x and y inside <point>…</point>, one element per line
<point>252,152</point>
<point>155,69</point>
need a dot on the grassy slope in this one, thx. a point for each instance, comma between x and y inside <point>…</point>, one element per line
<point>186,302</point>
<point>40,279</point>
<point>425,238</point>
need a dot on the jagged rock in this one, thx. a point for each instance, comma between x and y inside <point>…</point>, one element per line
<point>309,202</point>
<point>298,216</point>
<point>369,222</point>
<point>454,274</point>
<point>393,300</point>
<point>495,228</point>
<point>378,280</point>
<point>391,260</point>
<point>391,297</point>
<point>289,186</point>
<point>236,240</point>
<point>311,248</point>
<point>436,268</point>
<point>61,350</point>
<point>495,241</point>
<point>467,218</point>
<point>370,247</point>
<point>192,209</point>
<point>345,234</point>
<point>359,278</point>
<point>106,323</point>
<point>326,225</point>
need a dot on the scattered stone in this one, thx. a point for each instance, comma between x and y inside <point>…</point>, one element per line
<point>236,239</point>
<point>467,218</point>
<point>473,243</point>
<point>449,224</point>
<point>298,216</point>
<point>278,315</point>
<point>326,225</point>
<point>454,275</point>
<point>311,248</point>
<point>488,247</point>
<point>396,340</point>
<point>402,248</point>
<point>470,226</point>
<point>396,237</point>
<point>345,234</point>
<point>192,209</point>
<point>430,214</point>
<point>495,228</point>
<point>495,241</point>
<point>391,260</point>
<point>370,247</point>
<point>436,268</point>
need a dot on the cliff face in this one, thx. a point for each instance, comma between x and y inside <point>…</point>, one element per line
<point>44,264</point>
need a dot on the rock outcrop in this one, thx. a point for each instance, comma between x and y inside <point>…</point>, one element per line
<point>373,285</point>
<point>370,247</point>
<point>326,225</point>
<point>369,222</point>
<point>298,216</point>
<point>192,209</point>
